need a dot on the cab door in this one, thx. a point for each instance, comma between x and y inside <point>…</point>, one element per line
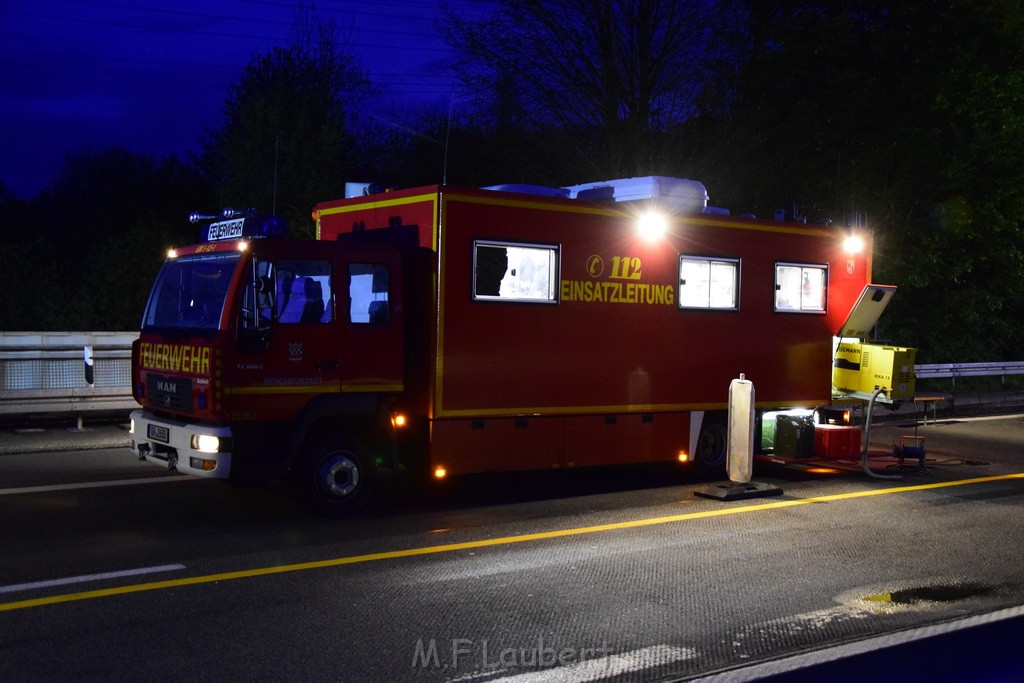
<point>370,309</point>
<point>294,355</point>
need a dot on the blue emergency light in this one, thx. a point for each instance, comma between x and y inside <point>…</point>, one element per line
<point>239,225</point>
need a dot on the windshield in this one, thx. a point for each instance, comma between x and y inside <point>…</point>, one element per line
<point>190,291</point>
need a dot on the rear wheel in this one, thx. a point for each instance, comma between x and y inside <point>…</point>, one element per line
<point>334,476</point>
<point>712,445</point>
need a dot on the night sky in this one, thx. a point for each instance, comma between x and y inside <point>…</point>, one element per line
<point>151,76</point>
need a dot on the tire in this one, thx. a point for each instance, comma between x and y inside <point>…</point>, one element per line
<point>334,476</point>
<point>712,445</point>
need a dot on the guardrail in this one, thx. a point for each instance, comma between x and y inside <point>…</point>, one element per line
<point>42,374</point>
<point>954,370</point>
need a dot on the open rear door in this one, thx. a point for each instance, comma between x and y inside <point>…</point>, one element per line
<point>865,313</point>
<point>860,368</point>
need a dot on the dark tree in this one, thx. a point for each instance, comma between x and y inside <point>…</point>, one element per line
<point>611,77</point>
<point>83,254</point>
<point>905,118</point>
<point>286,141</point>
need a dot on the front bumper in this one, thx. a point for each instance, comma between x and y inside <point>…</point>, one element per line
<point>173,444</point>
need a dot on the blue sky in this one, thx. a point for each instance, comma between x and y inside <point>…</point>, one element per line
<point>151,76</point>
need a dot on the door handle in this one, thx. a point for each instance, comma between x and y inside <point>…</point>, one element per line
<point>328,364</point>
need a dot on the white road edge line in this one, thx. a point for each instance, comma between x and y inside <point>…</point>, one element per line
<point>97,484</point>
<point>605,667</point>
<point>90,577</point>
<point>797,663</point>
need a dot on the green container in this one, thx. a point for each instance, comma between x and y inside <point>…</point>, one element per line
<point>794,436</point>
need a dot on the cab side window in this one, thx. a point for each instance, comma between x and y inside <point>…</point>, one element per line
<point>368,293</point>
<point>304,292</point>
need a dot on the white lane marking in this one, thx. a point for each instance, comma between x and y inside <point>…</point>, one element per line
<point>90,577</point>
<point>801,662</point>
<point>96,484</point>
<point>605,667</point>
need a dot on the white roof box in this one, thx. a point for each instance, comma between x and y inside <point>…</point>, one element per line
<point>540,190</point>
<point>672,194</point>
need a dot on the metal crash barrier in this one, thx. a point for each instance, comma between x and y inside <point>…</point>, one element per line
<point>954,370</point>
<point>1004,395</point>
<point>45,374</point>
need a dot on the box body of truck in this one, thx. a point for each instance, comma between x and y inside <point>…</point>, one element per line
<point>562,336</point>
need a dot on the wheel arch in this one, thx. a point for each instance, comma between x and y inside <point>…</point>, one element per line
<point>702,424</point>
<point>363,416</point>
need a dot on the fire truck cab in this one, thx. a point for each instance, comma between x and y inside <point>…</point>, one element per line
<point>242,352</point>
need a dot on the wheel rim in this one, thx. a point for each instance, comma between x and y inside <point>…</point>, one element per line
<point>711,448</point>
<point>338,475</point>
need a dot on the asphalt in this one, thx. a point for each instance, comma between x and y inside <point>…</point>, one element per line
<point>46,438</point>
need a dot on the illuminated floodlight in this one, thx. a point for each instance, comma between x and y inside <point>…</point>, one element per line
<point>652,225</point>
<point>854,244</point>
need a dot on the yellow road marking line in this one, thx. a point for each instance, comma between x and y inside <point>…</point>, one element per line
<point>483,543</point>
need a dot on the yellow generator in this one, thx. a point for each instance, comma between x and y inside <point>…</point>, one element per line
<point>861,368</point>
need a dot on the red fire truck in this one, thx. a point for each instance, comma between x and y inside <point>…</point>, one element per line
<point>451,330</point>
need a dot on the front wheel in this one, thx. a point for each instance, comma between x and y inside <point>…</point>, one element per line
<point>334,476</point>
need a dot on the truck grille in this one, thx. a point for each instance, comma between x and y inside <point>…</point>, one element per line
<point>174,393</point>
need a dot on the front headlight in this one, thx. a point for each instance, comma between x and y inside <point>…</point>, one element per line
<point>205,443</point>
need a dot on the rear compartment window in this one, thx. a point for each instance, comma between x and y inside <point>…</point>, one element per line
<point>709,283</point>
<point>800,287</point>
<point>511,271</point>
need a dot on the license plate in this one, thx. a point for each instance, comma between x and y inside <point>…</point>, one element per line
<point>158,433</point>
